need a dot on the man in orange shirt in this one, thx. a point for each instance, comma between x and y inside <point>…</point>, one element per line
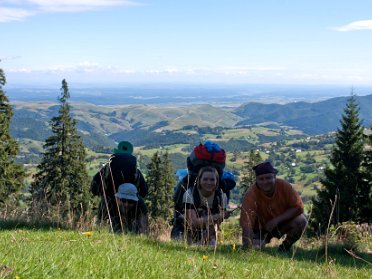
<point>271,208</point>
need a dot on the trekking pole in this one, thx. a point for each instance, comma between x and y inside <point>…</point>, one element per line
<point>105,199</point>
<point>238,207</point>
<point>115,201</point>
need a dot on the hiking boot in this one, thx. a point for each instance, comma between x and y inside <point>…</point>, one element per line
<point>259,244</point>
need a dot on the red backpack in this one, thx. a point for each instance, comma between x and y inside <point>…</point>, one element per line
<point>202,153</point>
<point>208,154</point>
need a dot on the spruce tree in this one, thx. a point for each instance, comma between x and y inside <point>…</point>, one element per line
<point>61,183</point>
<point>11,174</point>
<point>169,182</point>
<point>366,211</point>
<point>161,182</point>
<point>249,176</point>
<point>154,182</point>
<point>344,178</point>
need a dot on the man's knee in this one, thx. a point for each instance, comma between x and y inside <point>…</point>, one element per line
<point>299,222</point>
<point>296,226</point>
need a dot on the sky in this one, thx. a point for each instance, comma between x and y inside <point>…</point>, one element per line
<point>313,42</point>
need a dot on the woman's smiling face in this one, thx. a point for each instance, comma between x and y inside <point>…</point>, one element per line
<point>208,181</point>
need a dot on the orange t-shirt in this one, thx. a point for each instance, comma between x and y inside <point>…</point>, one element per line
<point>257,208</point>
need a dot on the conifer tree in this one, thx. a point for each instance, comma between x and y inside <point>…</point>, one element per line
<point>161,181</point>
<point>169,183</point>
<point>11,174</point>
<point>344,178</point>
<point>249,176</point>
<point>61,182</point>
<point>154,182</point>
<point>366,212</point>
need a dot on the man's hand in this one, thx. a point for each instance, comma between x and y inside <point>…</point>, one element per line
<point>271,225</point>
<point>219,217</point>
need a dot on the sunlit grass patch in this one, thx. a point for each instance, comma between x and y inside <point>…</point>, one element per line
<point>70,254</point>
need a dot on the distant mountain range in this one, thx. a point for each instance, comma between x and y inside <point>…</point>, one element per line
<point>182,94</point>
<point>103,125</point>
<point>311,118</point>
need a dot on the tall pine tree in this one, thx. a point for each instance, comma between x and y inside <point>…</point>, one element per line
<point>249,175</point>
<point>366,212</point>
<point>344,178</point>
<point>160,178</point>
<point>61,183</point>
<point>169,182</point>
<point>11,174</point>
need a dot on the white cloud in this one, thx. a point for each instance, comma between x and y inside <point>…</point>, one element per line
<point>82,67</point>
<point>89,71</point>
<point>356,25</point>
<point>163,71</point>
<point>14,14</point>
<point>76,5</point>
<point>20,70</point>
<point>225,71</point>
<point>93,67</point>
<point>85,67</point>
<point>9,58</point>
<point>17,10</point>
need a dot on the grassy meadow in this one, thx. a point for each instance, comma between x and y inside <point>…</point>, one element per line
<point>49,252</point>
<point>57,253</point>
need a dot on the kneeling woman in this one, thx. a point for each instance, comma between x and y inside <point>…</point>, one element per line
<point>205,208</point>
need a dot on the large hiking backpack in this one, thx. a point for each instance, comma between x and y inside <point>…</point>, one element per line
<point>207,154</point>
<point>227,183</point>
<point>121,168</point>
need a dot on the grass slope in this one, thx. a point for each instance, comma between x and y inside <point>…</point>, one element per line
<point>55,253</point>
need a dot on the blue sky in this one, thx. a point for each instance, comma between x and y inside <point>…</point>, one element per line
<point>219,41</point>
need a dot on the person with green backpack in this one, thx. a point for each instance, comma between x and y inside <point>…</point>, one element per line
<point>119,170</point>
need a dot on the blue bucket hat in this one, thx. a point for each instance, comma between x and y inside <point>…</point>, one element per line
<point>127,191</point>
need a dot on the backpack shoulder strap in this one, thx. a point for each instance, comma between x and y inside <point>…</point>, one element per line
<point>196,196</point>
<point>217,201</point>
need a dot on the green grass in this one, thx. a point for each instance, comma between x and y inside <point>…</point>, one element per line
<point>55,253</point>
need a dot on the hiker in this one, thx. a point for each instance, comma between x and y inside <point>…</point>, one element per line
<point>205,208</point>
<point>121,168</point>
<point>271,208</point>
<point>133,211</point>
<point>207,154</point>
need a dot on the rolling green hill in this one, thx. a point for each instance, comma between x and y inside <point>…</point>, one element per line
<point>103,125</point>
<point>311,118</point>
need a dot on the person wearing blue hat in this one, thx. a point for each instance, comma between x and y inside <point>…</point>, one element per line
<point>271,208</point>
<point>133,211</point>
<point>120,169</point>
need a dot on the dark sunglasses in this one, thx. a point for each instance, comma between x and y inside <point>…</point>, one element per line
<point>127,201</point>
